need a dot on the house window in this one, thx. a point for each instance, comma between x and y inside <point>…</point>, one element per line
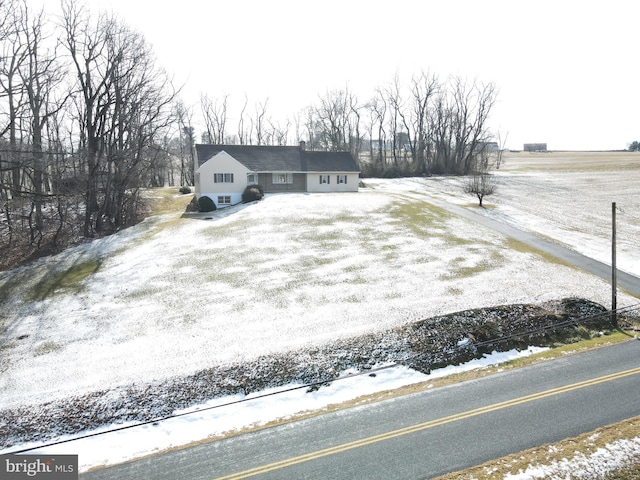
<point>224,200</point>
<point>324,179</point>
<point>283,178</point>
<point>342,179</point>
<point>252,179</point>
<point>223,177</point>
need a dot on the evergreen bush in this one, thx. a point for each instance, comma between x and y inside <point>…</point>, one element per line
<point>205,204</point>
<point>252,193</point>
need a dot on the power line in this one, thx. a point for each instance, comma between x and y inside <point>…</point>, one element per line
<point>564,323</point>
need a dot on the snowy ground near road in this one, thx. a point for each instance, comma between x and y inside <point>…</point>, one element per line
<point>221,416</point>
<point>602,462</point>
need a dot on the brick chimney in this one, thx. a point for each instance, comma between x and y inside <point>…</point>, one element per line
<point>303,145</point>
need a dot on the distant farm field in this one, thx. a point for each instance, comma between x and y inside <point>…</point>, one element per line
<point>177,294</point>
<point>571,161</point>
<point>567,196</point>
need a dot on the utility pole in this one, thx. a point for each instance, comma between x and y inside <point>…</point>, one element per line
<point>614,286</point>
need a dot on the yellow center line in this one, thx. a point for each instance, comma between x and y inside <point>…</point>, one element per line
<point>426,425</point>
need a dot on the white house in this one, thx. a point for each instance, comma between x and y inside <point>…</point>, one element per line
<point>224,171</point>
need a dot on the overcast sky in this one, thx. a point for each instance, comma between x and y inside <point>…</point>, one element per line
<point>567,71</point>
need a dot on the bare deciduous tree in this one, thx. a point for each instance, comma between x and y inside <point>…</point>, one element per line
<point>80,132</point>
<point>186,145</point>
<point>333,119</point>
<point>244,138</point>
<point>215,117</point>
<point>502,141</point>
<point>481,184</point>
<point>40,74</point>
<point>378,107</point>
<point>12,56</point>
<point>423,89</point>
<point>123,101</point>
<point>260,123</point>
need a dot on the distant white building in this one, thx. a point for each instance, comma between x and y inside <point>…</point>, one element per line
<point>535,147</point>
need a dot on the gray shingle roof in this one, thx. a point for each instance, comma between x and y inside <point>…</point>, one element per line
<point>329,162</point>
<point>265,158</point>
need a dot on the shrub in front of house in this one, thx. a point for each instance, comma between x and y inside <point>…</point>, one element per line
<point>205,204</point>
<point>252,193</point>
<point>185,190</point>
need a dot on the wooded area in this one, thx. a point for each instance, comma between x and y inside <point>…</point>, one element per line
<point>88,119</point>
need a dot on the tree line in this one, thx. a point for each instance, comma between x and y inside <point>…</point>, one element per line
<point>424,126</point>
<point>88,119</point>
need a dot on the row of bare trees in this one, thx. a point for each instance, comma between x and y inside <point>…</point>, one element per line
<point>427,126</point>
<point>256,127</point>
<point>421,127</point>
<point>87,119</point>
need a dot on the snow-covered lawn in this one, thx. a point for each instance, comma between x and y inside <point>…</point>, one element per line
<point>295,271</point>
<point>291,271</point>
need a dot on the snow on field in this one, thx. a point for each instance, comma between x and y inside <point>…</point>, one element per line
<point>565,197</point>
<point>291,271</point>
<point>297,270</point>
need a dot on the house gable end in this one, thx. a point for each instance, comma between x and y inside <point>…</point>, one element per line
<point>219,162</point>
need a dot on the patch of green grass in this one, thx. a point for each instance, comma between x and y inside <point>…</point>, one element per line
<point>233,279</point>
<point>46,347</point>
<point>141,293</point>
<point>326,237</point>
<point>353,299</point>
<point>513,244</point>
<point>281,295</point>
<point>356,280</point>
<point>366,231</point>
<point>457,270</point>
<point>451,238</point>
<point>303,299</point>
<point>312,261</point>
<point>236,228</point>
<point>420,217</point>
<point>424,259</point>
<point>390,252</point>
<point>346,217</point>
<point>64,282</point>
<point>354,268</point>
<point>466,272</point>
<point>166,200</point>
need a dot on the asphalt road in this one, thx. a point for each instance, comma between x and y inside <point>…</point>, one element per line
<point>425,434</point>
<point>629,282</point>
